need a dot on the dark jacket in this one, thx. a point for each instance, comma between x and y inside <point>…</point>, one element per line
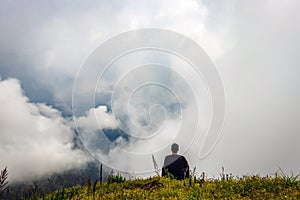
<point>177,165</point>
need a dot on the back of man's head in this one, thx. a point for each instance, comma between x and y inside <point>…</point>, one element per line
<point>174,148</point>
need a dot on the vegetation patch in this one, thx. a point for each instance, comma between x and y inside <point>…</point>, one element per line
<point>227,187</point>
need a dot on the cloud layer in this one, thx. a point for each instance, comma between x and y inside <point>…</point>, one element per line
<point>35,139</point>
<point>254,44</point>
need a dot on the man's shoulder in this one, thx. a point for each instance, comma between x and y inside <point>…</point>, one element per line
<point>183,158</point>
<point>173,156</point>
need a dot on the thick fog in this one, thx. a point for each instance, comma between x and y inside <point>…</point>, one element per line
<point>253,44</point>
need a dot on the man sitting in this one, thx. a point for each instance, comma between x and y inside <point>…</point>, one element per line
<point>176,164</point>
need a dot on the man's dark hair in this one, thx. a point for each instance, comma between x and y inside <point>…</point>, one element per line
<point>174,148</point>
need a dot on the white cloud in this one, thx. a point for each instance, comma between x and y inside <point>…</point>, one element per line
<point>35,139</point>
<point>97,119</point>
<point>260,74</point>
<point>55,44</point>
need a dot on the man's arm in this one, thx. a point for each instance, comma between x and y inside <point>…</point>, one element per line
<point>186,167</point>
<point>186,164</point>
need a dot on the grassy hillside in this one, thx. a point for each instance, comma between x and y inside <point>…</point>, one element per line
<point>227,187</point>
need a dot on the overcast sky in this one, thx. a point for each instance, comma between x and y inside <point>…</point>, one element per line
<point>254,45</point>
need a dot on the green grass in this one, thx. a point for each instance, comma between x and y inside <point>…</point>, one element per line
<point>227,187</point>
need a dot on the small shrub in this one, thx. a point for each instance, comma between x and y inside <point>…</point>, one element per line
<point>116,178</point>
